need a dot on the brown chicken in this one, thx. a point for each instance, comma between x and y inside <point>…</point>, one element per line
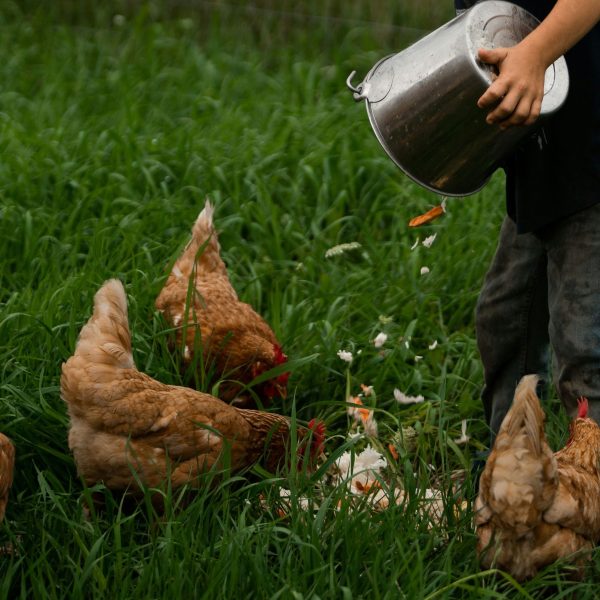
<point>7,465</point>
<point>128,428</point>
<point>216,333</point>
<point>535,507</point>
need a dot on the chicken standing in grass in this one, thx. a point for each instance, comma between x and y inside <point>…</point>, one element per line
<point>535,506</point>
<point>127,428</point>
<point>215,331</point>
<point>7,465</point>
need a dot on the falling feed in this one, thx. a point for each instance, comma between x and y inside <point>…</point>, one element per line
<point>380,340</point>
<point>345,355</point>
<point>428,241</point>
<point>402,398</point>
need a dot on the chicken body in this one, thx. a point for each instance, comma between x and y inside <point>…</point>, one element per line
<point>534,506</point>
<point>127,428</point>
<point>7,465</point>
<point>217,332</point>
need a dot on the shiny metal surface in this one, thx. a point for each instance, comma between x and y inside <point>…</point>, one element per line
<point>422,106</point>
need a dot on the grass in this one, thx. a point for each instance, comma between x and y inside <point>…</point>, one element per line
<point>113,131</point>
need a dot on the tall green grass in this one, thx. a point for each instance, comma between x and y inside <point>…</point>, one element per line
<point>113,131</point>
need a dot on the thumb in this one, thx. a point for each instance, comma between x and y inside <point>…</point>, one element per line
<point>492,56</point>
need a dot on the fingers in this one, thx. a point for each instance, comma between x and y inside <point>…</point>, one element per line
<point>536,109</point>
<point>492,56</point>
<point>493,95</point>
<point>515,96</point>
<point>514,109</point>
<point>519,116</point>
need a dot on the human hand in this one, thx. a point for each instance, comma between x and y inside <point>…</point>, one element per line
<point>515,96</point>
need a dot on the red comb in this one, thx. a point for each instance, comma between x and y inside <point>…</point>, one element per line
<point>317,427</point>
<point>318,434</point>
<point>317,442</point>
<point>280,357</point>
<point>582,403</point>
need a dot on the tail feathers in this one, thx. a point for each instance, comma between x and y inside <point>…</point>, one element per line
<point>520,478</point>
<point>203,227</point>
<point>203,250</point>
<point>105,338</point>
<point>526,415</point>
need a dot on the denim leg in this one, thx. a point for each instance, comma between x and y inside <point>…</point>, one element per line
<point>574,300</point>
<point>511,319</point>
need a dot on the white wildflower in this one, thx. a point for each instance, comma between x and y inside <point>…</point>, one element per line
<point>354,435</point>
<point>371,428</point>
<point>363,416</point>
<point>380,339</point>
<point>369,461</point>
<point>418,357</point>
<point>344,464</point>
<point>380,499</point>
<point>286,495</point>
<point>415,244</point>
<point>464,438</point>
<point>354,411</point>
<point>118,20</point>
<point>304,503</point>
<point>402,398</point>
<point>428,241</point>
<point>433,506</point>
<point>424,270</point>
<point>433,345</point>
<point>367,389</point>
<point>345,355</point>
<point>341,248</point>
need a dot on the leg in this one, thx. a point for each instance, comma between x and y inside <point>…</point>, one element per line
<point>512,319</point>
<point>574,299</point>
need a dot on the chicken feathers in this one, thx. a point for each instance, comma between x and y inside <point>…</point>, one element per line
<point>7,465</point>
<point>127,428</point>
<point>215,331</point>
<point>535,507</point>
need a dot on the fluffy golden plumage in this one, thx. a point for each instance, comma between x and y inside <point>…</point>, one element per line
<point>534,506</point>
<point>127,427</point>
<point>7,465</point>
<point>235,343</point>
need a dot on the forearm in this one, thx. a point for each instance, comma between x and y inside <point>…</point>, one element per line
<point>566,24</point>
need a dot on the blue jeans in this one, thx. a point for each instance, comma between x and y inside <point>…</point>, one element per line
<point>542,292</point>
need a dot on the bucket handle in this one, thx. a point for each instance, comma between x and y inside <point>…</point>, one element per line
<point>360,92</point>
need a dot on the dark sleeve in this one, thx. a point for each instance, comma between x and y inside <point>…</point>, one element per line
<point>463,4</point>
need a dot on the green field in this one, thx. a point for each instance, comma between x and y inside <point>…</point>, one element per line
<point>115,123</point>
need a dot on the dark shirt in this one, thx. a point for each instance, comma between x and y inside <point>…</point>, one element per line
<point>556,171</point>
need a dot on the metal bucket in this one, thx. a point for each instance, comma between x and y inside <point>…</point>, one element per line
<point>422,102</point>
